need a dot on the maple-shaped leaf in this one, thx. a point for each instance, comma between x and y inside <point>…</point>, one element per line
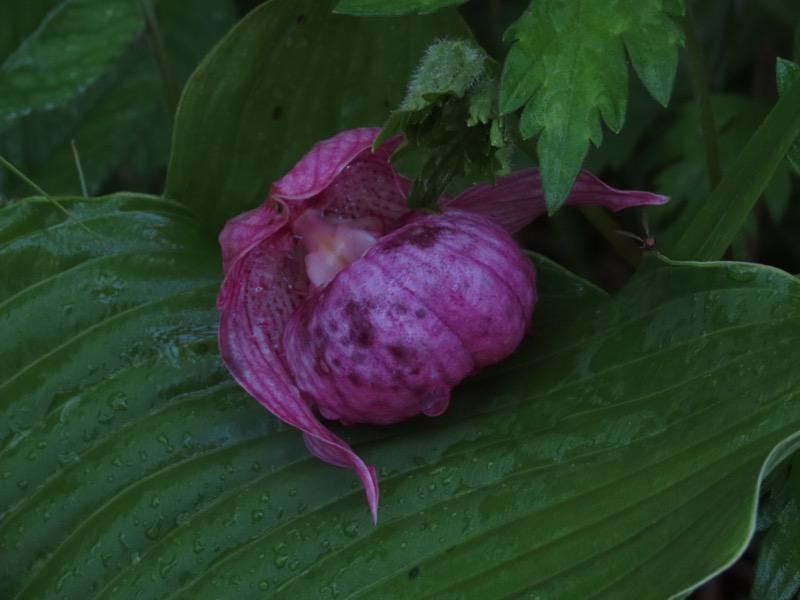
<point>568,68</point>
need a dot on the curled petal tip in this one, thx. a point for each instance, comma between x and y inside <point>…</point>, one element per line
<point>517,199</point>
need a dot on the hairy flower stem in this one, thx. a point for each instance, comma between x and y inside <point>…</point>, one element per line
<point>702,92</point>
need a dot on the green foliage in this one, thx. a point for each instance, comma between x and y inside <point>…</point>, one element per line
<point>63,49</point>
<point>392,7</point>
<point>685,178</point>
<point>620,453</point>
<point>450,117</point>
<point>137,464</point>
<point>231,142</point>
<point>787,72</point>
<point>121,117</point>
<point>777,574</point>
<point>705,230</point>
<point>568,69</point>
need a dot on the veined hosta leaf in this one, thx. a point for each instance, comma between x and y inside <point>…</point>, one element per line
<point>568,69</point>
<point>66,46</point>
<point>616,455</point>
<point>106,120</point>
<point>233,140</point>
<point>391,7</point>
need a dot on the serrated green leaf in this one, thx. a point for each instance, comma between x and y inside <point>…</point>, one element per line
<point>70,46</point>
<point>266,94</point>
<point>787,71</point>
<point>106,120</point>
<point>133,465</point>
<point>391,7</point>
<point>568,69</point>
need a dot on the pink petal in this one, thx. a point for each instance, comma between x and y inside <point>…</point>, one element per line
<point>245,231</point>
<point>368,187</point>
<point>517,199</point>
<point>320,166</point>
<point>260,296</point>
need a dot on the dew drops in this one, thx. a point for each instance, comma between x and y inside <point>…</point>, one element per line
<point>351,529</point>
<point>198,546</point>
<point>257,515</point>
<point>743,273</point>
<point>154,531</point>
<point>263,585</point>
<point>165,567</point>
<point>280,560</point>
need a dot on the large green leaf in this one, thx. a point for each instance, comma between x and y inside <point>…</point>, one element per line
<point>568,69</point>
<point>618,454</point>
<point>267,93</point>
<point>106,120</point>
<point>68,45</point>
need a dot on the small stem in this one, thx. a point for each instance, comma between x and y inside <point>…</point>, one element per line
<point>607,227</point>
<point>78,166</point>
<point>156,43</point>
<point>703,95</point>
<point>41,192</point>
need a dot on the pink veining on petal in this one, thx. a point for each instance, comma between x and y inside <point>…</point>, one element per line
<point>517,199</point>
<point>247,230</point>
<point>318,168</point>
<point>256,311</point>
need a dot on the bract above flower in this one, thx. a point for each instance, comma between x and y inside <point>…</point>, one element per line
<point>338,298</point>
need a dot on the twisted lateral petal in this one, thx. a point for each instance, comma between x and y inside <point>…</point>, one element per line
<point>260,298</point>
<point>517,199</point>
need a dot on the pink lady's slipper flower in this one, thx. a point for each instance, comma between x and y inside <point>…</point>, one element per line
<point>338,298</point>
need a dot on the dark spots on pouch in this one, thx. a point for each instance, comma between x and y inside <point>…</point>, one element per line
<point>276,113</point>
<point>424,237</point>
<point>413,573</point>
<point>420,237</point>
<point>399,352</point>
<point>362,333</point>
